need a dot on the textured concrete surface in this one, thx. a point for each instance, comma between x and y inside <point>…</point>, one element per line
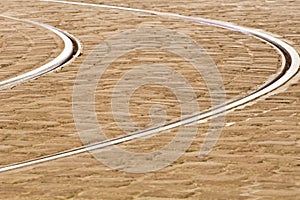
<point>257,156</point>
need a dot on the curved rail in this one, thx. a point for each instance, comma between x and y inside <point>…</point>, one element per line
<point>290,67</point>
<point>72,49</point>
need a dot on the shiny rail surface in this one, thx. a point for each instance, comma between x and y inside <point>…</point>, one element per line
<point>290,67</point>
<point>72,48</point>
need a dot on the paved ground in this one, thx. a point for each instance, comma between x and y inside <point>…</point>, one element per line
<point>256,157</point>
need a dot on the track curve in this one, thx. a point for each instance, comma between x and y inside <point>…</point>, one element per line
<point>290,67</point>
<point>72,49</point>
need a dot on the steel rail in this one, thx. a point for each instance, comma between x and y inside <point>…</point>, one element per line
<point>72,48</point>
<point>290,67</point>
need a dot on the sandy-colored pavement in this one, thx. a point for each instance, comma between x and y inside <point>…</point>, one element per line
<point>257,156</point>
